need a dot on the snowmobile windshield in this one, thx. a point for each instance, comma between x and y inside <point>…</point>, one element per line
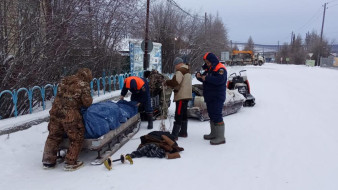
<point>243,73</point>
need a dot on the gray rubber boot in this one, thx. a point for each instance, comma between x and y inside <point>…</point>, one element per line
<point>220,139</point>
<point>212,134</point>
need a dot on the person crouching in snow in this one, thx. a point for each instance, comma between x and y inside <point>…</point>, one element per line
<point>214,88</point>
<point>65,117</point>
<point>140,93</point>
<point>181,83</point>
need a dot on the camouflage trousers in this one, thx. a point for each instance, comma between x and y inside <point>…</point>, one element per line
<point>57,128</point>
<point>165,101</point>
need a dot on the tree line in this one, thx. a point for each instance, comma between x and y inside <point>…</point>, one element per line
<point>299,50</point>
<point>44,40</point>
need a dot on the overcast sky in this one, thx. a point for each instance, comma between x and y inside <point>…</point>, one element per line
<point>269,21</point>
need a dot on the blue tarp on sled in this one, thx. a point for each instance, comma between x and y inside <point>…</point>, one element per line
<point>102,117</point>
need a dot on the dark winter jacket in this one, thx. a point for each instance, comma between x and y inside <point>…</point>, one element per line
<point>139,89</point>
<point>214,86</point>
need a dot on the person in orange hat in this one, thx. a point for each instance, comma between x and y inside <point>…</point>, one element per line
<point>214,89</point>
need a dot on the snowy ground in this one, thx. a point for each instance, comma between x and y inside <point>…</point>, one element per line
<point>288,141</point>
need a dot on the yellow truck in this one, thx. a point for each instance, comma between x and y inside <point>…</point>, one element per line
<point>245,58</point>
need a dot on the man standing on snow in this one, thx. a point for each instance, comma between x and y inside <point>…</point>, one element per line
<point>140,93</point>
<point>65,117</point>
<point>214,88</point>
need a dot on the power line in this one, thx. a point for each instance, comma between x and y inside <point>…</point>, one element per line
<point>176,5</point>
<point>315,16</point>
<point>333,5</point>
<point>184,11</point>
<point>332,1</point>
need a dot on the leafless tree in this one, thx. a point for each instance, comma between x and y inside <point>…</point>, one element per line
<point>318,47</point>
<point>43,40</point>
<point>283,53</point>
<point>297,51</point>
<point>185,34</point>
<point>249,45</point>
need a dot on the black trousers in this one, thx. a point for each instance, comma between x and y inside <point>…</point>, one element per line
<point>181,111</point>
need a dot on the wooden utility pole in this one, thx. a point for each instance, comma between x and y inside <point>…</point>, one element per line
<point>321,33</point>
<point>291,38</point>
<point>205,23</point>
<point>145,58</point>
<point>321,36</point>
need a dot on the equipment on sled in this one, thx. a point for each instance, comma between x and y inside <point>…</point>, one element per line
<point>197,108</point>
<point>155,104</point>
<point>160,95</point>
<point>106,145</point>
<point>241,83</point>
<point>109,162</point>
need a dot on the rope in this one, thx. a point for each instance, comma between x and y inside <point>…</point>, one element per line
<point>162,127</point>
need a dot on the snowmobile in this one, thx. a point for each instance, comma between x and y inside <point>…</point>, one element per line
<point>197,108</point>
<point>241,83</point>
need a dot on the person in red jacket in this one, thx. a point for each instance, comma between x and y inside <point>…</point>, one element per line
<point>139,89</point>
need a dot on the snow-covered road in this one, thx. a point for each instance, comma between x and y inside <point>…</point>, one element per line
<point>288,140</point>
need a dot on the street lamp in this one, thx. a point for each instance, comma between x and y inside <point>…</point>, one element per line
<point>175,39</point>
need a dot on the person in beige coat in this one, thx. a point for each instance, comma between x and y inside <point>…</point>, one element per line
<point>181,83</point>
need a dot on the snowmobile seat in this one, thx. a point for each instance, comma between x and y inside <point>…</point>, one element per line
<point>198,109</point>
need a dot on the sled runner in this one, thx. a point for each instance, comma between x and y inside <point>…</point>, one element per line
<point>105,133</point>
<point>108,144</point>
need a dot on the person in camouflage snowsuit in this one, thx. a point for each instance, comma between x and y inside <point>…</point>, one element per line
<point>65,117</point>
<point>156,88</point>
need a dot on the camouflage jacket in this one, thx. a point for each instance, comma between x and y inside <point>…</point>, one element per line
<point>155,83</point>
<point>73,93</point>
